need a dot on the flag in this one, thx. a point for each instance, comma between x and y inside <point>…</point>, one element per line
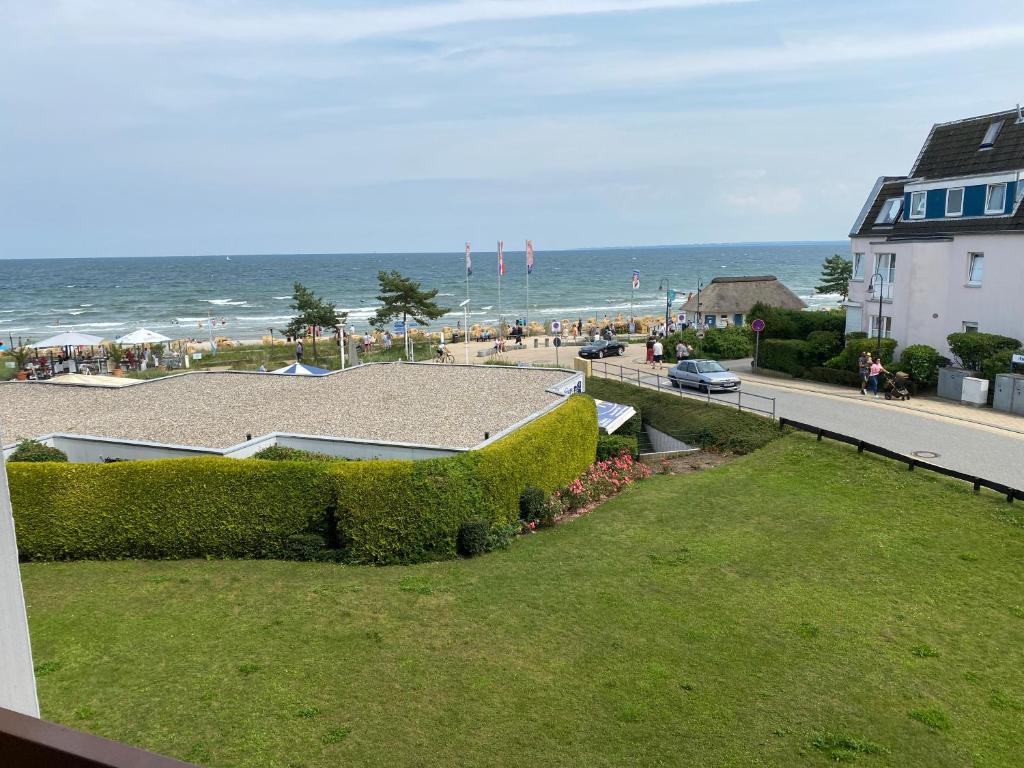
<point>469,262</point>
<point>501,258</point>
<point>636,279</point>
<point>529,257</point>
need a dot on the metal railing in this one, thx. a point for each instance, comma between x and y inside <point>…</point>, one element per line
<point>745,401</point>
<point>912,462</point>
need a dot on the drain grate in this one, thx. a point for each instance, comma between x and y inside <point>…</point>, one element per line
<point>926,454</point>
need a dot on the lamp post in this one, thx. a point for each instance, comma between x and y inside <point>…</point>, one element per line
<point>341,343</point>
<point>465,328</point>
<point>663,285</point>
<point>700,286</point>
<point>881,294</point>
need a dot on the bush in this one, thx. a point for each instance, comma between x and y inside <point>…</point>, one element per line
<point>729,343</point>
<point>33,450</point>
<point>791,356</point>
<point>796,323</point>
<point>531,503</point>
<point>303,546</point>
<point>847,359</point>
<point>821,345</point>
<point>502,535</point>
<point>472,538</point>
<point>613,445</point>
<point>971,350</point>
<point>833,376</point>
<point>713,426</point>
<point>922,363</point>
<point>171,508</point>
<point>997,363</point>
<point>282,453</point>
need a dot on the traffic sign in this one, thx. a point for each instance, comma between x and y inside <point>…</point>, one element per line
<point>700,334</point>
<point>556,326</point>
<point>558,341</point>
<point>1018,359</point>
<point>757,326</point>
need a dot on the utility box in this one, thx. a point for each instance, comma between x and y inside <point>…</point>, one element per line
<point>975,392</point>
<point>951,383</point>
<point>1009,393</point>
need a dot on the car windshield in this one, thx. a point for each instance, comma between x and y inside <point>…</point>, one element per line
<point>709,366</point>
<point>599,343</point>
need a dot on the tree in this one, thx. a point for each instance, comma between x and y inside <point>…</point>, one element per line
<point>311,312</point>
<point>402,297</point>
<point>835,276</point>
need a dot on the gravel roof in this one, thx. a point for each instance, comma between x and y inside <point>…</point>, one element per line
<point>450,406</point>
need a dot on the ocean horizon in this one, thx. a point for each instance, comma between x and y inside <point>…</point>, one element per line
<point>245,294</point>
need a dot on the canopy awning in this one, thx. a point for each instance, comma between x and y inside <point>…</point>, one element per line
<point>611,416</point>
<point>142,336</point>
<point>298,369</point>
<point>68,339</point>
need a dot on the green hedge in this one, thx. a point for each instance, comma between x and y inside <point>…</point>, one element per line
<point>796,323</point>
<point>790,356</point>
<point>848,358</point>
<point>712,426</point>
<point>729,343</point>
<point>372,511</point>
<point>172,508</point>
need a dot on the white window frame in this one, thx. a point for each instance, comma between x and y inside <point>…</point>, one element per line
<point>1020,187</point>
<point>924,207</point>
<point>972,258</point>
<point>988,196</point>
<point>959,212</point>
<point>970,326</point>
<point>890,212</point>
<point>873,326</point>
<point>858,267</point>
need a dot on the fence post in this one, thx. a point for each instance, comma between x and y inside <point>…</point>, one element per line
<point>638,377</point>
<point>658,382</point>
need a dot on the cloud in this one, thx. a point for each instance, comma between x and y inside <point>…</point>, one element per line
<point>169,21</point>
<point>766,199</point>
<point>623,68</point>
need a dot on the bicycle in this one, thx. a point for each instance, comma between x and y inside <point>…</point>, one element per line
<point>444,357</point>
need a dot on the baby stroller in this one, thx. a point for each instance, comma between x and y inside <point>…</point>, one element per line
<point>896,386</point>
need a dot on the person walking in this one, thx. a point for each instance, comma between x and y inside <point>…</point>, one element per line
<point>298,351</point>
<point>659,354</point>
<point>874,372</point>
<point>650,351</point>
<point>864,368</point>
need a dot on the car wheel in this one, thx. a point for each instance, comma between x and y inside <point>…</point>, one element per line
<point>620,351</point>
<point>601,354</point>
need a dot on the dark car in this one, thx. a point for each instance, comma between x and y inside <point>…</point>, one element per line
<point>705,375</point>
<point>602,348</point>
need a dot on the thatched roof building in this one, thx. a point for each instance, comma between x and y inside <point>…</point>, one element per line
<point>728,300</point>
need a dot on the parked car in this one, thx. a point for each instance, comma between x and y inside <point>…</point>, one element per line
<point>602,348</point>
<point>705,375</point>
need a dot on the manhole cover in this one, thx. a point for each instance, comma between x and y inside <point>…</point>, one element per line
<point>926,454</point>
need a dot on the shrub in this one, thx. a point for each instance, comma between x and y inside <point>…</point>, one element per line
<point>33,450</point>
<point>472,538</point>
<point>922,363</point>
<point>796,323</point>
<point>821,345</point>
<point>971,350</point>
<point>791,356</point>
<point>997,363</point>
<point>303,546</point>
<point>728,343</point>
<point>171,508</point>
<point>712,426</point>
<point>502,535</point>
<point>601,481</point>
<point>531,503</point>
<point>847,359</point>
<point>283,453</point>
<point>613,445</point>
<point>833,376</point>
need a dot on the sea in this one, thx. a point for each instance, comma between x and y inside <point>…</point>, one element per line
<point>245,295</point>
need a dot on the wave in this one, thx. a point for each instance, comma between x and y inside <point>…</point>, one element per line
<point>91,325</point>
<point>7,311</point>
<point>280,298</point>
<point>14,330</point>
<point>85,305</point>
<point>226,302</point>
<point>267,319</point>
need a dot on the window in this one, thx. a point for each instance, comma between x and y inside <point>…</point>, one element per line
<point>1020,188</point>
<point>995,198</point>
<point>990,135</point>
<point>890,211</point>
<point>858,266</point>
<point>970,326</point>
<point>975,269</point>
<point>955,201</point>
<point>917,204</point>
<point>886,327</point>
<point>886,264</point>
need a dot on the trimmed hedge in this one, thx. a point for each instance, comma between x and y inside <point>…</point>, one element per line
<point>369,511</point>
<point>713,426</point>
<point>171,508</point>
<point>796,323</point>
<point>728,343</point>
<point>790,356</point>
<point>922,363</point>
<point>612,445</point>
<point>971,350</point>
<point>33,450</point>
<point>847,359</point>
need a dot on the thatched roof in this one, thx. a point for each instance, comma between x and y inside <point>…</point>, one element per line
<point>733,295</point>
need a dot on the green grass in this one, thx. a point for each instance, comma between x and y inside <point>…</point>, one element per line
<point>763,613</point>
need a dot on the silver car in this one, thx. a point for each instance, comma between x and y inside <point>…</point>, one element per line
<point>705,375</point>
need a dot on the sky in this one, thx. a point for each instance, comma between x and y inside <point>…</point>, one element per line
<point>175,127</point>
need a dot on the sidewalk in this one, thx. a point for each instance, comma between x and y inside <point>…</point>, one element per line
<point>932,405</point>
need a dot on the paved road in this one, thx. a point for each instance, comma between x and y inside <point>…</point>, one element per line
<point>983,451</point>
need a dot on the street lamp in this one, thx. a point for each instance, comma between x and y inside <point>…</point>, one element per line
<point>465,327</point>
<point>700,286</point>
<point>881,294</point>
<point>663,285</point>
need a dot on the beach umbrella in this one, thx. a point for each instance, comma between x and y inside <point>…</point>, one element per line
<point>142,336</point>
<point>298,369</point>
<point>68,339</point>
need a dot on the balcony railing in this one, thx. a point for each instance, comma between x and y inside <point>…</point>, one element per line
<point>885,288</point>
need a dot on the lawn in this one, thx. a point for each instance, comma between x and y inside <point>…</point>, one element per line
<point>802,605</point>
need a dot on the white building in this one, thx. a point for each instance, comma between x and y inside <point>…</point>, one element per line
<point>943,248</point>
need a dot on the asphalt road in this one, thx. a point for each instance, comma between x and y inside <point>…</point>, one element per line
<point>983,451</point>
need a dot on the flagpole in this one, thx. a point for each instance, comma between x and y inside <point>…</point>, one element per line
<point>527,296</point>
<point>501,264</point>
